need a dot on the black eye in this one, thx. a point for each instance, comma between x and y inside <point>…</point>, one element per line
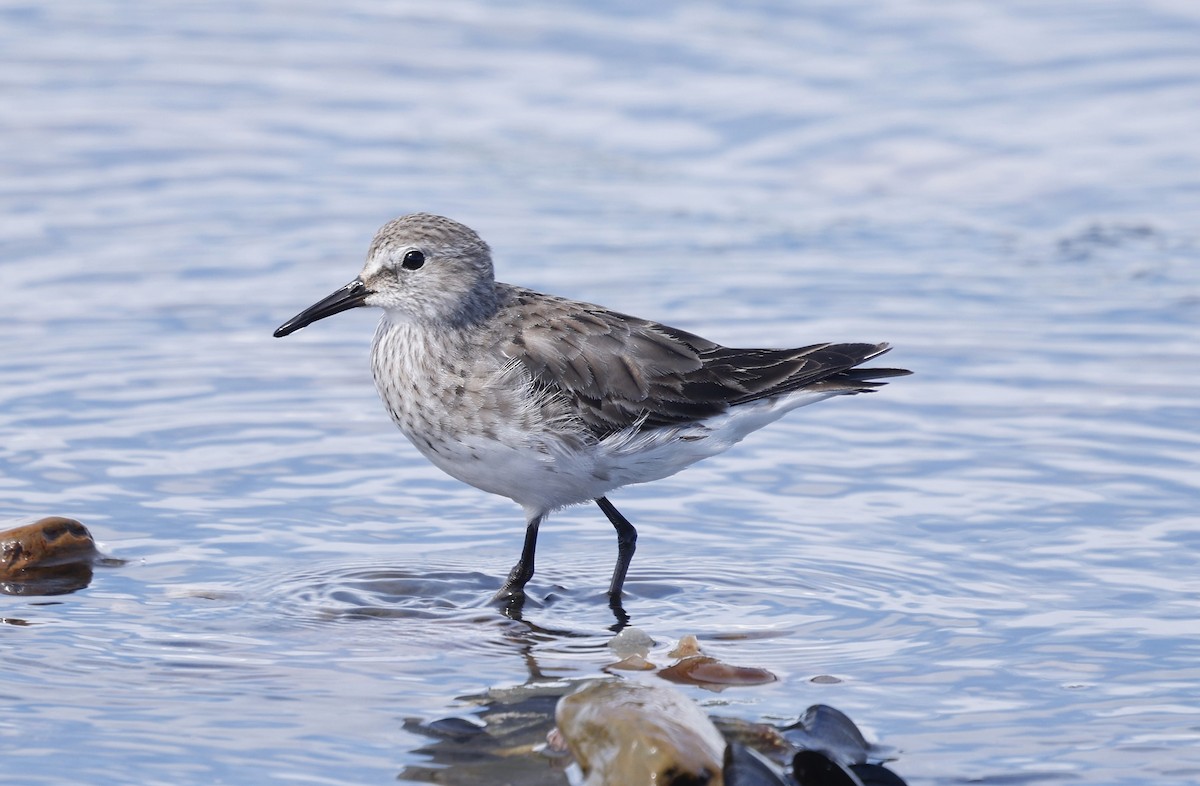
<point>413,260</point>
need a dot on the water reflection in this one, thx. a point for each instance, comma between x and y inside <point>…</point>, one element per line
<point>60,580</point>
<point>514,608</point>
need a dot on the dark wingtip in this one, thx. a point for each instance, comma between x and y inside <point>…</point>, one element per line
<point>880,372</point>
<point>868,374</point>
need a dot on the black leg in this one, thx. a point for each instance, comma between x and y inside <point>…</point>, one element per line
<point>626,545</point>
<point>522,572</point>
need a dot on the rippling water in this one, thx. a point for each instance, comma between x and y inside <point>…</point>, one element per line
<point>995,558</point>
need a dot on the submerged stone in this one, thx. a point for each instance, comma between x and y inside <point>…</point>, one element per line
<point>630,733</point>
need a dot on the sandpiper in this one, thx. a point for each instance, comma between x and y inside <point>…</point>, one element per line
<point>552,402</point>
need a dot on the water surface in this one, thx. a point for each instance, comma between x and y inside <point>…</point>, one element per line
<point>993,559</point>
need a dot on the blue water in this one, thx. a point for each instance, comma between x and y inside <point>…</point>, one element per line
<point>995,558</point>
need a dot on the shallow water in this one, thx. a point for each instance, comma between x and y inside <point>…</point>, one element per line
<point>995,559</point>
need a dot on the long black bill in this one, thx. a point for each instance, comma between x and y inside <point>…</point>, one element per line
<point>350,296</point>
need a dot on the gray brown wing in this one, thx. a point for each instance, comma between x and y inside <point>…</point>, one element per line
<point>618,370</point>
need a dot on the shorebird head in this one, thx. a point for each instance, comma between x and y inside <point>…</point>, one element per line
<point>420,268</point>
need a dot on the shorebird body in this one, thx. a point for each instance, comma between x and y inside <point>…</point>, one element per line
<point>552,402</point>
